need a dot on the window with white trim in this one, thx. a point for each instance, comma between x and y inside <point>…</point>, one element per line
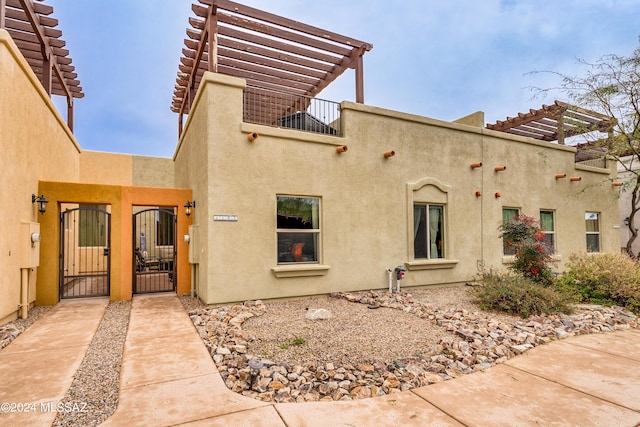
<point>428,231</point>
<point>548,228</point>
<point>592,221</point>
<point>298,229</point>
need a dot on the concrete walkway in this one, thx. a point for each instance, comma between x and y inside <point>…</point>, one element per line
<point>168,378</point>
<point>37,368</point>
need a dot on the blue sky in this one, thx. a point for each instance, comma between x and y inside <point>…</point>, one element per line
<point>437,58</point>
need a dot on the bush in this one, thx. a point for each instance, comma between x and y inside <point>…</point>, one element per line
<point>533,257</point>
<point>516,294</point>
<point>607,279</point>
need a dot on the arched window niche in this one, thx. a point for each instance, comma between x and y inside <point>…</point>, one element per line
<point>429,245</point>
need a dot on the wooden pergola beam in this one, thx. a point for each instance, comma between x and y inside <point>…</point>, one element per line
<point>265,49</point>
<point>32,29</point>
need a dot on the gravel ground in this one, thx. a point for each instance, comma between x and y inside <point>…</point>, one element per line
<point>355,334</point>
<point>97,380</point>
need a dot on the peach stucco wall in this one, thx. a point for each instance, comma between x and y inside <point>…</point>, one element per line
<point>122,201</point>
<point>35,144</point>
<point>97,167</point>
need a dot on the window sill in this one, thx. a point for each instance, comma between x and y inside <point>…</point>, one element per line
<point>300,270</point>
<point>431,264</point>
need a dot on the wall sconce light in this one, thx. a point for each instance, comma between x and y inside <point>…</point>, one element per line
<point>575,178</point>
<point>252,136</point>
<point>476,165</point>
<point>388,154</point>
<point>560,175</point>
<point>187,206</point>
<point>500,168</point>
<point>342,148</point>
<point>42,201</point>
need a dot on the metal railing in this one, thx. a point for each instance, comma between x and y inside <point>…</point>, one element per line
<point>600,162</point>
<point>280,109</point>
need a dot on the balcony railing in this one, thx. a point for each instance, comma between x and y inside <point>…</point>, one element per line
<point>600,162</point>
<point>280,109</point>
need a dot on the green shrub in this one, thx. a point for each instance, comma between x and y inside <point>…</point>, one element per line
<point>608,279</point>
<point>533,257</point>
<point>513,293</point>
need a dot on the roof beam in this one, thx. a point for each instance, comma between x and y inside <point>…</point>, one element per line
<point>27,6</point>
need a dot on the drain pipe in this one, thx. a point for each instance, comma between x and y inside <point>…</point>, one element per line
<point>390,271</point>
<point>193,280</point>
<point>24,293</point>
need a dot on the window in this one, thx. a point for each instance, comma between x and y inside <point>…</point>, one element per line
<point>298,229</point>
<point>428,231</point>
<point>592,220</point>
<point>507,215</point>
<point>547,226</point>
<point>165,227</point>
<point>92,224</point>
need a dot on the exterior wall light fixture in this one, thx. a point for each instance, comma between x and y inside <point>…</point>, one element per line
<point>187,207</point>
<point>42,202</point>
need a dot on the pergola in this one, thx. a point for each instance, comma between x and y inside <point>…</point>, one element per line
<point>34,32</point>
<point>269,51</point>
<point>555,122</point>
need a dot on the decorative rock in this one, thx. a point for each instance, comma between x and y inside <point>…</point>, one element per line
<point>483,343</point>
<point>318,314</point>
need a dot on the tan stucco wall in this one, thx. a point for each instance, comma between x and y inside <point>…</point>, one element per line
<point>98,167</point>
<point>29,153</point>
<point>367,199</point>
<point>628,178</point>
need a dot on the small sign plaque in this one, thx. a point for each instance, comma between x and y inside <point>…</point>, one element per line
<point>226,218</point>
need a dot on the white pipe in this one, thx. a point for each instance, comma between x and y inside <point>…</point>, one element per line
<point>397,285</point>
<point>24,293</point>
<point>390,271</point>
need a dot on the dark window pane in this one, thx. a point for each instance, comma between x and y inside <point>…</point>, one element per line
<point>436,231</point>
<point>593,243</point>
<point>297,247</point>
<point>507,215</point>
<point>298,213</point>
<point>419,231</point>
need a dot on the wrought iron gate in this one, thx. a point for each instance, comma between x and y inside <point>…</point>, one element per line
<point>85,239</point>
<point>154,253</point>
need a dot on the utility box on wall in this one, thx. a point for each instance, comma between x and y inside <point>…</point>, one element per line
<point>29,245</point>
<point>194,245</point>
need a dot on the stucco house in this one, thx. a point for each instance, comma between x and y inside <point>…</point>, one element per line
<point>272,192</point>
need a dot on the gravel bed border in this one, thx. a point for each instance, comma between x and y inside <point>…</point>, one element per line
<point>96,383</point>
<point>479,340</point>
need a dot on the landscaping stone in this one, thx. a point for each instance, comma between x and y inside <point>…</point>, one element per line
<point>478,343</point>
